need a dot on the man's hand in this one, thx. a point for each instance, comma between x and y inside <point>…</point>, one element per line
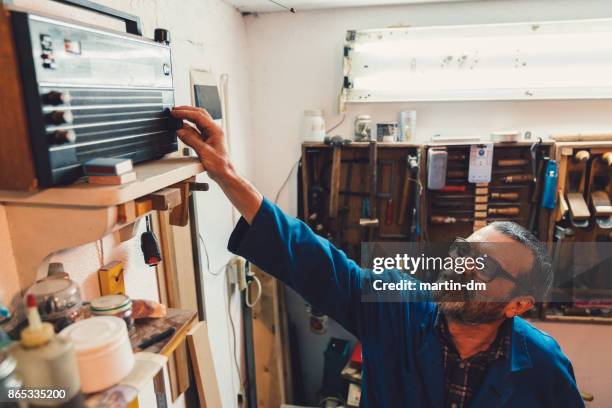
<point>206,138</point>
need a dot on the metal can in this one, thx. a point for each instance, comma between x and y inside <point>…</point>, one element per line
<point>114,305</point>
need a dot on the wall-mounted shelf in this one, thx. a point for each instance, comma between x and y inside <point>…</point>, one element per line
<point>44,222</point>
<point>150,176</point>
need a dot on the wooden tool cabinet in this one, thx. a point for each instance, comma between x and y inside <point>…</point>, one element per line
<point>574,233</point>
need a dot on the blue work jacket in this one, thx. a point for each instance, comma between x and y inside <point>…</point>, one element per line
<point>402,354</point>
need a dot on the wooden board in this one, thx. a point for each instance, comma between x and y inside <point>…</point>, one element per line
<point>181,320</point>
<point>17,169</point>
<point>272,371</point>
<point>150,177</point>
<point>202,360</point>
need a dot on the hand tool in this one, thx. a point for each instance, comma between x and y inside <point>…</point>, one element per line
<point>412,167</point>
<point>315,197</point>
<point>453,189</point>
<point>537,166</point>
<point>389,207</point>
<point>490,211</point>
<point>517,178</point>
<point>345,211</point>
<point>334,184</point>
<point>436,168</point>
<point>512,162</point>
<point>371,221</point>
<point>602,209</point>
<point>493,196</point>
<point>579,213</point>
<point>157,338</point>
<point>443,219</point>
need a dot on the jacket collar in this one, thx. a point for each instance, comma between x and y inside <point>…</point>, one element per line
<point>519,354</point>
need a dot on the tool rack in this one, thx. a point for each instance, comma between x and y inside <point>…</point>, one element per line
<point>348,201</point>
<point>512,194</point>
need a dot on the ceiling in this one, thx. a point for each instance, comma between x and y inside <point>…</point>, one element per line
<point>246,6</point>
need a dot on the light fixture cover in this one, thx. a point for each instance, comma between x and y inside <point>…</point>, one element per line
<point>515,61</point>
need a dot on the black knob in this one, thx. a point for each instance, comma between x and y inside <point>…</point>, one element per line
<point>63,136</point>
<point>55,98</point>
<point>162,36</point>
<point>59,117</point>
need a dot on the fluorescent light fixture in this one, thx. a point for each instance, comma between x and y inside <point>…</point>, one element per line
<point>519,61</point>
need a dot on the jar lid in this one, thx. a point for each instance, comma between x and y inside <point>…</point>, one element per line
<point>53,286</point>
<point>96,333</point>
<point>313,112</point>
<point>110,303</point>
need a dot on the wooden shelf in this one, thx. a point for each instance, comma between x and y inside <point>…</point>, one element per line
<point>38,222</point>
<point>149,362</point>
<point>180,319</point>
<point>151,176</point>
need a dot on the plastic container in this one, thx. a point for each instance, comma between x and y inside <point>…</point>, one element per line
<point>407,125</point>
<point>114,305</point>
<point>313,126</point>
<point>46,361</point>
<point>103,351</point>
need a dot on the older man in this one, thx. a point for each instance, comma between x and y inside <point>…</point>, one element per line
<point>451,352</point>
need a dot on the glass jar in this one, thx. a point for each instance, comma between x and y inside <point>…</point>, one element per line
<point>114,305</point>
<point>313,126</point>
<point>363,128</point>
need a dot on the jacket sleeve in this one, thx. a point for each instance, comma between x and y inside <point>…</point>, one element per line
<point>287,249</point>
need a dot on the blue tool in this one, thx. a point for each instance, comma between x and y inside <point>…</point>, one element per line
<point>550,185</point>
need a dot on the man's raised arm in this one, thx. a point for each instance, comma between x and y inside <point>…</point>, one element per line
<point>280,245</point>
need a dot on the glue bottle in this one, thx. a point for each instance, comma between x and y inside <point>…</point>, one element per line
<point>47,363</point>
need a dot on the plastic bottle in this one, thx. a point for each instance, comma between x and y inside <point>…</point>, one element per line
<point>46,362</point>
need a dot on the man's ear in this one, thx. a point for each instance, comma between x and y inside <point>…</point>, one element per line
<point>518,306</point>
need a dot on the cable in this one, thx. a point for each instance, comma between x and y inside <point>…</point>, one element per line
<point>291,9</point>
<point>234,342</point>
<point>282,187</point>
<point>337,124</point>
<point>259,292</point>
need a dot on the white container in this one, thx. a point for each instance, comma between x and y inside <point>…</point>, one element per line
<point>407,126</point>
<point>313,126</point>
<point>103,350</point>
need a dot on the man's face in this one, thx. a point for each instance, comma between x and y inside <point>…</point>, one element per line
<point>490,305</point>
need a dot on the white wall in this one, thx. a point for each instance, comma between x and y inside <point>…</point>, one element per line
<point>296,64</point>
<point>206,34</point>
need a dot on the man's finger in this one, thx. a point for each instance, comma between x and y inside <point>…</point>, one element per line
<point>203,122</point>
<point>190,137</point>
<point>193,108</point>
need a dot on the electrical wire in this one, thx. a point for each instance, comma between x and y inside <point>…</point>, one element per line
<point>291,9</point>
<point>234,341</point>
<point>336,125</point>
<point>282,187</point>
<point>259,292</point>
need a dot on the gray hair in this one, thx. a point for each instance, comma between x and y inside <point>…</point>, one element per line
<point>539,278</point>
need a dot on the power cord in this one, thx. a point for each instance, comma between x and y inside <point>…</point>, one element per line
<point>282,187</point>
